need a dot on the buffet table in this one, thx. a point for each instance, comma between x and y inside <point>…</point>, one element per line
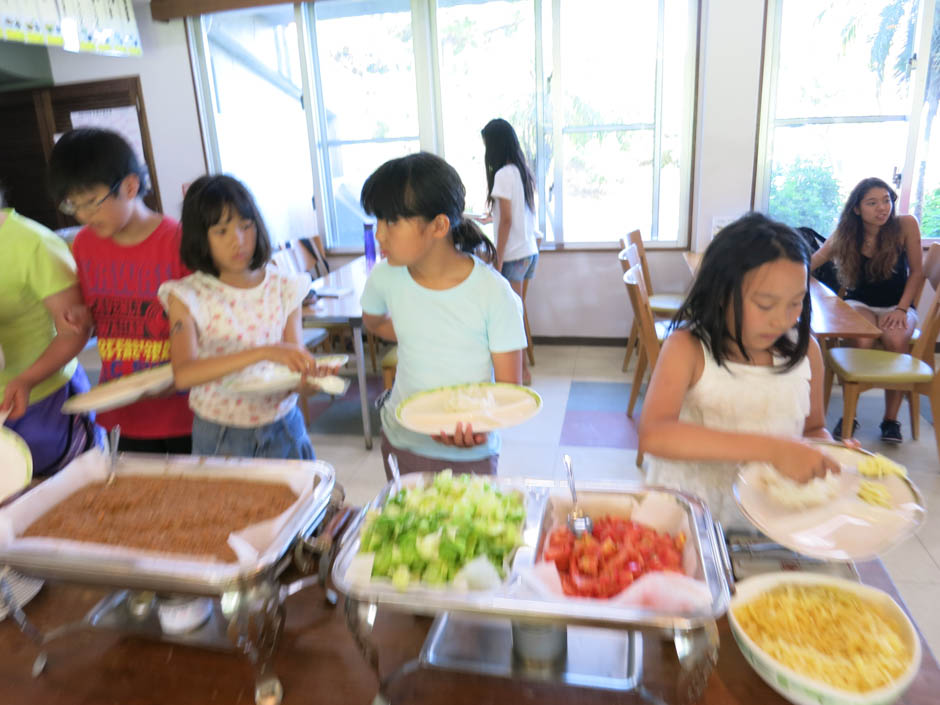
<point>318,662</point>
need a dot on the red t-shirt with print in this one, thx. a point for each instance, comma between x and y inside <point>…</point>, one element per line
<point>119,285</point>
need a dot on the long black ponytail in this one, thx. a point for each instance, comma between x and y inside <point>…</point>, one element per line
<point>424,185</point>
<point>501,148</point>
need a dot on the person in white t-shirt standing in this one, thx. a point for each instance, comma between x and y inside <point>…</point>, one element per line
<point>510,195</point>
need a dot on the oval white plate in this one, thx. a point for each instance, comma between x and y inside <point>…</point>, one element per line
<point>845,528</point>
<point>16,463</point>
<point>796,687</point>
<point>268,378</point>
<point>425,412</point>
<point>121,391</point>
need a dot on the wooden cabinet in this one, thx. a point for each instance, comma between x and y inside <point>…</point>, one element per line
<point>30,121</point>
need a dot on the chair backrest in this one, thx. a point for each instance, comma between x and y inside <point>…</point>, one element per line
<point>923,347</point>
<point>284,260</point>
<point>932,267</point>
<point>643,314</point>
<point>636,239</point>
<point>929,330</point>
<point>628,257</point>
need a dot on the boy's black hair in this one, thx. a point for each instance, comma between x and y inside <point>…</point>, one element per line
<point>86,158</point>
<point>203,206</point>
<point>747,243</point>
<point>424,185</point>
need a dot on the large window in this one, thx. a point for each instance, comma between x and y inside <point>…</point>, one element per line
<point>599,91</point>
<point>253,108</point>
<point>845,97</point>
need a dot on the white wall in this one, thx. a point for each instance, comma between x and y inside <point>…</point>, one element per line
<point>166,79</point>
<point>726,128</point>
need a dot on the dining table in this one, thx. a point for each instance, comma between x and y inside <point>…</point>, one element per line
<point>337,302</point>
<point>319,661</point>
<point>832,317</point>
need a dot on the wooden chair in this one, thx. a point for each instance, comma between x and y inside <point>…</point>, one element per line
<point>914,373</point>
<point>313,338</point>
<point>932,275</point>
<point>389,368</point>
<point>530,348</point>
<point>663,305</point>
<point>649,341</point>
<point>629,257</point>
<point>312,257</point>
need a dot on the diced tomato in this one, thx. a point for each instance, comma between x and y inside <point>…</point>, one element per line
<point>617,552</point>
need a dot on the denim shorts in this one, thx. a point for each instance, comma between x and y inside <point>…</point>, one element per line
<point>518,269</point>
<point>285,438</point>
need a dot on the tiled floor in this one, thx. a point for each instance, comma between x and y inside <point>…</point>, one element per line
<point>585,398</point>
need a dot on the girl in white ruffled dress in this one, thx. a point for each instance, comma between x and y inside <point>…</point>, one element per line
<point>739,379</point>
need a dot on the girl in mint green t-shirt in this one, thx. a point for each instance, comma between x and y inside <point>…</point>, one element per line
<point>454,318</point>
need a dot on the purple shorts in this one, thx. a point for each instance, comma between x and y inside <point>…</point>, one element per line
<point>411,462</point>
<point>55,438</point>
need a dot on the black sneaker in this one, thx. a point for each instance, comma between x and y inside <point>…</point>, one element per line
<point>891,431</point>
<point>837,431</point>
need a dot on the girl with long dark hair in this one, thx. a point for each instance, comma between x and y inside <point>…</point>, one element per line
<point>739,378</point>
<point>880,263</point>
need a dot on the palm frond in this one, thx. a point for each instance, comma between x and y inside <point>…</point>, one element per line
<point>884,36</point>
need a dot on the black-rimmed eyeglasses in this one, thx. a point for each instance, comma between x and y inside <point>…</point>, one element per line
<point>70,208</point>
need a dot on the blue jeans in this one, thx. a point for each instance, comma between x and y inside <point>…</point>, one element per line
<point>285,438</point>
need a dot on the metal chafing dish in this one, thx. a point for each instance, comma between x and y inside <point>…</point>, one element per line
<point>158,596</point>
<point>600,643</point>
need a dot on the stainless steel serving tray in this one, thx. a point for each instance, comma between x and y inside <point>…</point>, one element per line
<point>505,602</point>
<point>147,569</point>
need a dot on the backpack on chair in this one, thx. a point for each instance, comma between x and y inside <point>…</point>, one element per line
<point>827,272</point>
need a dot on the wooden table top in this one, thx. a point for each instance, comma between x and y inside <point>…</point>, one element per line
<point>318,662</point>
<point>831,318</point>
<point>343,309</point>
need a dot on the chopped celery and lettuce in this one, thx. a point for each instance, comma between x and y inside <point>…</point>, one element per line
<point>428,534</point>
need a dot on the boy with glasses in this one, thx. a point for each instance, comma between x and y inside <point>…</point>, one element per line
<point>124,252</point>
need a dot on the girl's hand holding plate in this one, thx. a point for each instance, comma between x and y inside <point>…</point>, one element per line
<point>463,437</point>
<point>292,356</point>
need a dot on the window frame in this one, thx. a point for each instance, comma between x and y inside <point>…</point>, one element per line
<point>763,157</point>
<point>431,127</point>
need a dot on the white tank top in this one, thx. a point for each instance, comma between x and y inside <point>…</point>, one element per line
<point>741,398</point>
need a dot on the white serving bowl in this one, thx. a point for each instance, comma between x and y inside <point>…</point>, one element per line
<point>798,688</point>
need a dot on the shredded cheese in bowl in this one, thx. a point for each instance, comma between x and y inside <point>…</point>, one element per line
<point>828,634</point>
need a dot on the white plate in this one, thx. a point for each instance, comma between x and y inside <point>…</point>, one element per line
<point>798,688</point>
<point>16,463</point>
<point>121,391</point>
<point>22,589</point>
<point>427,412</point>
<point>845,528</point>
<point>273,379</point>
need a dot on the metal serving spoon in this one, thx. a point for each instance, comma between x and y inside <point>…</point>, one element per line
<point>113,437</point>
<point>396,474</point>
<point>578,521</point>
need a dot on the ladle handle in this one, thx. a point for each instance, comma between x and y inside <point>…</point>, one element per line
<point>574,495</point>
